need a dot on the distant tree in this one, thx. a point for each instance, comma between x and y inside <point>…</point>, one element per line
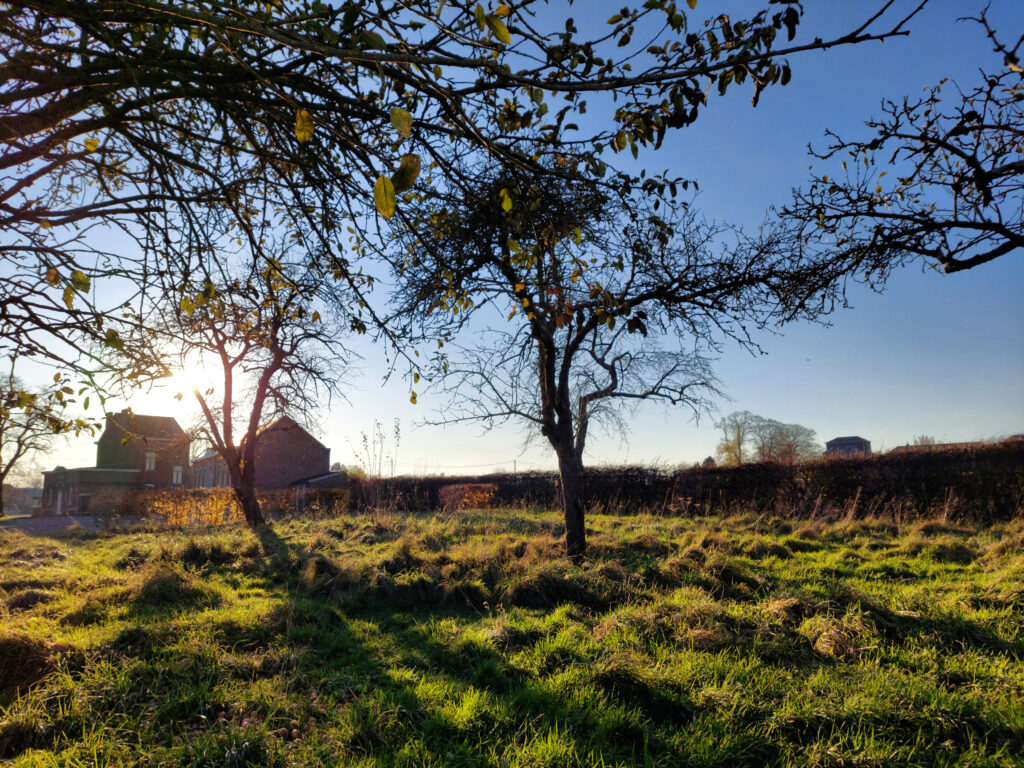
<point>736,431</point>
<point>708,462</point>
<point>954,195</point>
<point>783,443</point>
<point>337,467</point>
<point>924,440</point>
<point>747,436</point>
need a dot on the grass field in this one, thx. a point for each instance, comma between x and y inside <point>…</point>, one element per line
<point>466,640</point>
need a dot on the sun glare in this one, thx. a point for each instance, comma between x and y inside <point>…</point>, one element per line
<point>184,381</point>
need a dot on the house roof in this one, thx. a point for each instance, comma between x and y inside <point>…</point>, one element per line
<point>141,425</point>
<point>287,423</point>
<point>851,439</point>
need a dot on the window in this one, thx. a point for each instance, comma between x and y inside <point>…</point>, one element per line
<point>176,476</point>
<point>150,460</point>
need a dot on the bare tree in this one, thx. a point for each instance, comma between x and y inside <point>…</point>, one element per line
<point>607,305</point>
<point>941,180</point>
<point>737,429</point>
<point>747,436</point>
<point>783,443</point>
<point>273,324</point>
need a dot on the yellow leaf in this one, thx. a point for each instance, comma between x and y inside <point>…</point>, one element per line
<point>52,276</point>
<point>506,200</point>
<point>92,144</point>
<point>502,10</point>
<point>692,4</point>
<point>402,121</point>
<point>45,224</point>
<point>498,29</point>
<point>412,398</point>
<point>303,125</point>
<point>519,287</point>
<point>384,197</point>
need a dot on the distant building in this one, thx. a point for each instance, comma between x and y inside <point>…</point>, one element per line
<point>286,455</point>
<point>135,452</point>
<point>848,446</point>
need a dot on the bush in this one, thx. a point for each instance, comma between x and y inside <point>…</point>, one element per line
<point>467,496</point>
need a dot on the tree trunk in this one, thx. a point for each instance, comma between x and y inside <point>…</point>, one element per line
<point>246,495</point>
<point>574,502</point>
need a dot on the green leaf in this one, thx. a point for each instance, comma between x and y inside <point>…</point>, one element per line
<point>481,17</point>
<point>506,200</point>
<point>620,141</point>
<point>402,121</point>
<point>79,281</point>
<point>498,29</point>
<point>408,170</point>
<point>371,41</point>
<point>113,339</point>
<point>384,197</point>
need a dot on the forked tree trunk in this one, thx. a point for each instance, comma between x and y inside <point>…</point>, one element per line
<point>574,503</point>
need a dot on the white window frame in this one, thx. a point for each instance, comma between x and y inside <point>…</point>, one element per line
<point>150,461</point>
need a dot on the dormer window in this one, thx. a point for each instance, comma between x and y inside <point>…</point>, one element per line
<point>150,461</point>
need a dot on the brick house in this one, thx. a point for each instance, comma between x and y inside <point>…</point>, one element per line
<point>848,446</point>
<point>286,455</point>
<point>134,452</point>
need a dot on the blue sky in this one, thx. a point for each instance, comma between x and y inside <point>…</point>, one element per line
<point>934,354</point>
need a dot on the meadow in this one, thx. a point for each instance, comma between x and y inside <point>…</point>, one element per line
<point>464,638</point>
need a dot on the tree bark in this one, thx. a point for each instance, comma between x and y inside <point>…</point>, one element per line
<point>245,492</point>
<point>570,473</point>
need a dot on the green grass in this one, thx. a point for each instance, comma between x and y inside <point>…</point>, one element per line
<point>466,640</point>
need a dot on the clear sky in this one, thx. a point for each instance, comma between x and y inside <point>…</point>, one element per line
<point>935,354</point>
